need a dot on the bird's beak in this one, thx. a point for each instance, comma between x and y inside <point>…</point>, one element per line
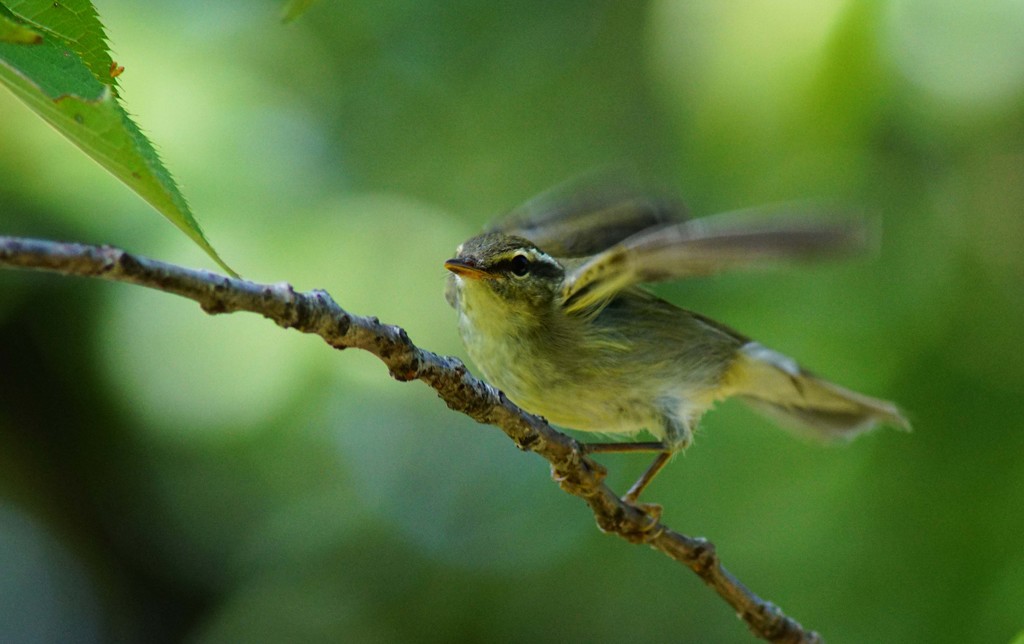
<point>466,268</point>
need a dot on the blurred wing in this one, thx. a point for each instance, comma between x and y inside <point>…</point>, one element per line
<point>709,245</point>
<point>588,215</point>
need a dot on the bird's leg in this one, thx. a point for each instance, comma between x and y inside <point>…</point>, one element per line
<point>660,461</point>
<point>622,448</point>
<point>618,448</point>
<point>677,437</point>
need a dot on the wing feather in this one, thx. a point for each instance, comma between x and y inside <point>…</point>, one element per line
<point>709,245</point>
<point>588,215</point>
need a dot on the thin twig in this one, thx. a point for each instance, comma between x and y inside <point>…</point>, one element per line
<point>315,312</point>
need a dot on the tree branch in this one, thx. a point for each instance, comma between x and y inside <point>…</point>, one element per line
<point>315,312</point>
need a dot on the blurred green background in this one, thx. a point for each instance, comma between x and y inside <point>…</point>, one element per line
<point>169,476</point>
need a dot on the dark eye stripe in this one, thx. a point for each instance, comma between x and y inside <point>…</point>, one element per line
<point>507,266</point>
<point>541,268</point>
<point>547,269</point>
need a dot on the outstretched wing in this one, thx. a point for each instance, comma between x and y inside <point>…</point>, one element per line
<point>708,245</point>
<point>588,215</point>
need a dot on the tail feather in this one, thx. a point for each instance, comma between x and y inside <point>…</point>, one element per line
<point>779,388</point>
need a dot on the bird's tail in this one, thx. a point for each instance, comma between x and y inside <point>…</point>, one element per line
<point>776,386</point>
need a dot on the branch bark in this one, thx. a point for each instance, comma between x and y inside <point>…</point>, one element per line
<point>317,313</point>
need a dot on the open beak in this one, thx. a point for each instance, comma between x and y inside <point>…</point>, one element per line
<point>466,268</point>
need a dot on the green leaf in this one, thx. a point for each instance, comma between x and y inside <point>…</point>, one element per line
<point>74,23</point>
<point>295,8</point>
<point>15,32</point>
<point>53,79</point>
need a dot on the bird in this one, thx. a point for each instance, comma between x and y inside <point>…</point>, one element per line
<point>552,309</point>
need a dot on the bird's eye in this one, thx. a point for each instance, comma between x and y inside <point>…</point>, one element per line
<point>519,265</point>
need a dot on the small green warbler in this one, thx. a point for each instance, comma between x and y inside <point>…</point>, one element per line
<point>550,309</point>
